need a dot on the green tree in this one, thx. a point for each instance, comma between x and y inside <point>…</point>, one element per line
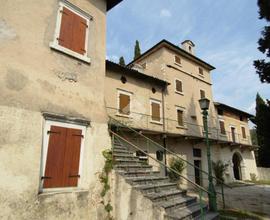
<point>262,120</point>
<point>122,61</point>
<point>137,50</point>
<point>262,66</point>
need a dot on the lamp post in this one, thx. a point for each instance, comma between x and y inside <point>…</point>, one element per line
<point>204,105</point>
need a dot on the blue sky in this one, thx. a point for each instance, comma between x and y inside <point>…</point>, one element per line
<point>225,33</point>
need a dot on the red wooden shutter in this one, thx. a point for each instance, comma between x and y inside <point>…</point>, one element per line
<point>65,36</point>
<point>73,31</point>
<point>155,111</point>
<point>72,156</point>
<point>54,174</point>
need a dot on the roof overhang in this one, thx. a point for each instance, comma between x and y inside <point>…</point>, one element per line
<point>112,3</point>
<point>232,109</point>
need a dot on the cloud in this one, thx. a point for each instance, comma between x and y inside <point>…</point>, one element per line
<point>165,13</point>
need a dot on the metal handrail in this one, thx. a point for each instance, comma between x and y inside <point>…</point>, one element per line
<point>133,145</point>
<point>166,149</point>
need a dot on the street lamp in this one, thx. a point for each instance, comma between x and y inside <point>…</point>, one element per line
<point>204,105</point>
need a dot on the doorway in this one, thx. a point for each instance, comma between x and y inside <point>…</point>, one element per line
<point>237,166</point>
<point>197,172</point>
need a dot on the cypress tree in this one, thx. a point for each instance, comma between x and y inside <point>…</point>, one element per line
<point>262,66</point>
<point>263,131</point>
<point>122,61</point>
<point>137,50</point>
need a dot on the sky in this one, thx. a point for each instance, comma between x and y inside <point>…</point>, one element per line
<point>225,33</point>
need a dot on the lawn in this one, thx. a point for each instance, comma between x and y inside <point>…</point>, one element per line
<point>233,214</point>
<point>260,182</point>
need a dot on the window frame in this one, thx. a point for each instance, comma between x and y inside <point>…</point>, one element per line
<point>179,64</point>
<point>160,112</point>
<point>118,103</point>
<point>223,134</point>
<point>200,93</point>
<point>45,145</point>
<point>242,126</point>
<point>201,73</point>
<point>178,92</point>
<point>55,44</point>
<point>181,109</point>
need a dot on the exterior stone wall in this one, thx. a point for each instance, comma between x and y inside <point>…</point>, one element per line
<point>263,173</point>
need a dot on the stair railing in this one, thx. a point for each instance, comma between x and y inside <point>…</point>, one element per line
<point>119,124</point>
<point>198,188</point>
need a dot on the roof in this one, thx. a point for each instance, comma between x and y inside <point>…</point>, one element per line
<point>232,109</point>
<point>112,3</point>
<point>128,71</point>
<point>178,50</point>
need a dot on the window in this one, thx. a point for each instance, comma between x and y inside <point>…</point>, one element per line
<point>177,60</point>
<point>159,155</point>
<point>180,120</point>
<point>142,155</point>
<point>154,90</point>
<point>222,127</point>
<point>243,132</point>
<point>62,154</point>
<point>200,70</point>
<point>155,110</point>
<point>123,79</point>
<point>178,86</point>
<point>197,152</point>
<point>202,94</point>
<point>71,34</point>
<point>241,118</point>
<point>124,103</point>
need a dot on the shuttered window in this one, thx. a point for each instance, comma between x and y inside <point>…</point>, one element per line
<point>200,70</point>
<point>177,59</point>
<point>73,31</point>
<point>202,94</point>
<point>63,157</point>
<point>180,117</point>
<point>124,104</point>
<point>243,132</point>
<point>222,127</point>
<point>155,108</point>
<point>178,86</point>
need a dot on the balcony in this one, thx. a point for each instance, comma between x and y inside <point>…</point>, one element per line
<point>171,127</point>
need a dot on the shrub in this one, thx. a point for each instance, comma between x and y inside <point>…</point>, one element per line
<point>253,177</point>
<point>219,170</point>
<point>177,165</point>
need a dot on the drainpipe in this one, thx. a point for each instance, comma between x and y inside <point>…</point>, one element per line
<point>164,136</point>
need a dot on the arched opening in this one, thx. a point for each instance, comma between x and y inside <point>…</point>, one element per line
<point>237,166</point>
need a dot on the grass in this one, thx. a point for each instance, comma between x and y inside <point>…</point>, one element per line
<point>239,214</point>
<point>259,182</point>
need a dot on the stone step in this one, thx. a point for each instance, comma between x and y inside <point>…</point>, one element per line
<point>154,188</point>
<point>208,216</point>
<point>126,156</point>
<point>129,162</point>
<point>132,167</point>
<point>121,151</point>
<point>147,180</point>
<point>139,173</point>
<point>177,203</point>
<point>165,195</point>
<point>119,148</point>
<point>186,213</point>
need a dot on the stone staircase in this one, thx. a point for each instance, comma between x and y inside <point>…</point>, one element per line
<point>157,188</point>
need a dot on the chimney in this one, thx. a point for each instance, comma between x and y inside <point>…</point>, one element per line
<point>138,67</point>
<point>188,46</point>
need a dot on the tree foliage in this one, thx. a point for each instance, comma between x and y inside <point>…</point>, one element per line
<point>262,120</point>
<point>122,61</point>
<point>219,170</point>
<point>177,165</point>
<point>137,50</point>
<point>262,66</point>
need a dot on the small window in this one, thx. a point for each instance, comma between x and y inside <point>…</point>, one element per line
<point>159,155</point>
<point>222,127</point>
<point>190,49</point>
<point>178,86</point>
<point>124,103</point>
<point>200,70</point>
<point>197,152</point>
<point>243,132</point>
<point>154,90</point>
<point>177,59</point>
<point>202,94</point>
<point>123,79</point>
<point>241,118</point>
<point>71,34</point>
<point>180,120</point>
<point>220,111</point>
<point>155,111</point>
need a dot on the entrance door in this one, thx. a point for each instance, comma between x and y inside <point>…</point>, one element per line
<point>197,172</point>
<point>237,167</point>
<point>233,134</point>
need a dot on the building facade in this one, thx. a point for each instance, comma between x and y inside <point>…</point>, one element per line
<point>171,115</point>
<point>53,120</point>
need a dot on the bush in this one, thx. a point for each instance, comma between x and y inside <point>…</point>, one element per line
<point>253,177</point>
<point>219,170</point>
<point>177,165</point>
